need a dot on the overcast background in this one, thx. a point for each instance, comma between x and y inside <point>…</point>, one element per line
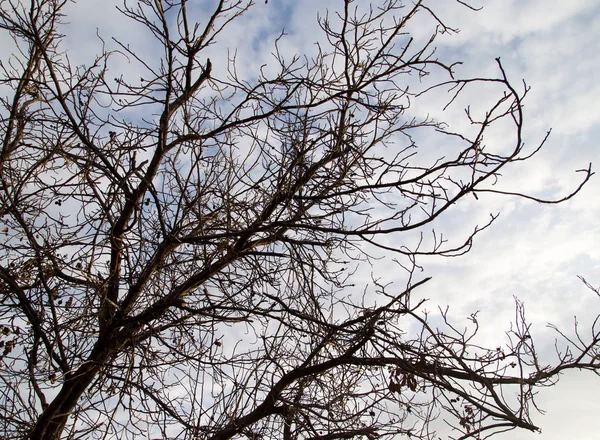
<point>534,252</point>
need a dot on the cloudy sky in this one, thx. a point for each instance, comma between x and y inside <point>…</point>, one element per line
<point>534,252</point>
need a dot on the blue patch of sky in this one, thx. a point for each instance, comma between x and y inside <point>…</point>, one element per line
<point>280,15</point>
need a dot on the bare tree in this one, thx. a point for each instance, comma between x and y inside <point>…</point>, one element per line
<point>178,250</point>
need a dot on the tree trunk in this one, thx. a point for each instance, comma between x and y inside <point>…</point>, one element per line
<point>53,419</point>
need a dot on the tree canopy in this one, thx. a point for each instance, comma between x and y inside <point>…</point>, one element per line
<point>181,242</point>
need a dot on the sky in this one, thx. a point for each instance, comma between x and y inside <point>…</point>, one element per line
<point>534,252</point>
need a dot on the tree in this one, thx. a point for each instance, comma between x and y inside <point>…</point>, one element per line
<point>179,250</point>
